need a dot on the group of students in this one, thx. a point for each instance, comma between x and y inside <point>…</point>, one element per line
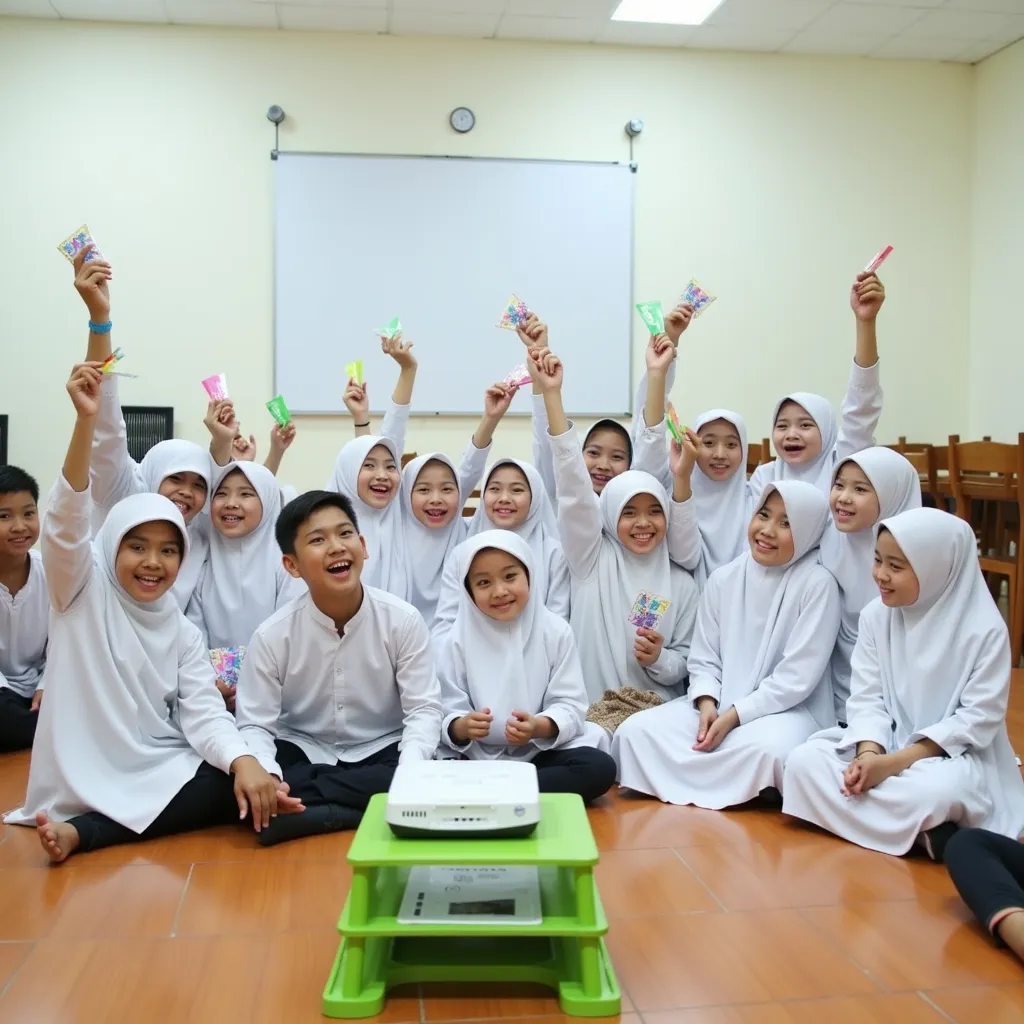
<point>825,640</point>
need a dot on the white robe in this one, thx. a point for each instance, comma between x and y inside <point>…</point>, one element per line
<point>243,581</point>
<point>761,646</point>
<point>861,410</point>
<point>529,664</point>
<point>938,669</point>
<point>606,579</point>
<point>850,557</point>
<point>131,708</point>
<point>24,625</point>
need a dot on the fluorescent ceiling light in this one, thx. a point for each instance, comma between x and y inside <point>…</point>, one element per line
<point>666,12</point>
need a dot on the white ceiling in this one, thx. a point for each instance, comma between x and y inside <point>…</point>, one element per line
<point>957,30</point>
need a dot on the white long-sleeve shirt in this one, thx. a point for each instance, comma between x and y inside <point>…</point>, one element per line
<point>24,626</point>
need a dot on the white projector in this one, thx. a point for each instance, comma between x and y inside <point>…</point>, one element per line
<point>463,799</point>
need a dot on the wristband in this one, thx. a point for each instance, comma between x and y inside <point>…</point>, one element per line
<point>100,328</point>
<point>366,424</point>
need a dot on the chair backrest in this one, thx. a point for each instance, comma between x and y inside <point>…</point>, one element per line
<point>407,458</point>
<point>468,510</point>
<point>988,470</point>
<point>147,425</point>
<point>924,462</point>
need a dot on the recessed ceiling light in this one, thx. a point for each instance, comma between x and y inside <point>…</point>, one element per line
<point>666,12</point>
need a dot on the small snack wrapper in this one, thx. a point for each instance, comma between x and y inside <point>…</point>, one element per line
<point>108,364</point>
<point>216,387</point>
<point>226,663</point>
<point>518,377</point>
<point>75,242</point>
<point>390,329</point>
<point>279,410</point>
<point>649,610</point>
<point>652,316</point>
<point>696,297</point>
<point>878,260</point>
<point>355,371</point>
<point>515,314</point>
<point>672,422</point>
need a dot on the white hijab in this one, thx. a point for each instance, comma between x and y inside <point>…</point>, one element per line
<point>164,460</point>
<point>850,556</point>
<point>765,606</point>
<point>108,738</point>
<point>539,529</point>
<point>382,529</point>
<point>723,511</point>
<point>427,550</point>
<point>600,609</point>
<point>244,575</point>
<point>818,472</point>
<point>500,665</point>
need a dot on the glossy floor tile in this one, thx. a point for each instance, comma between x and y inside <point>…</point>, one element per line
<point>740,917</point>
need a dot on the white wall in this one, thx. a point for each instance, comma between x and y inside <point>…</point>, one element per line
<point>772,179</point>
<point>997,250</point>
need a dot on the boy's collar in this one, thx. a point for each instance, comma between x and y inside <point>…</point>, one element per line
<point>329,618</point>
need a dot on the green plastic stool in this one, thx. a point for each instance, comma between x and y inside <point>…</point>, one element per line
<point>564,952</point>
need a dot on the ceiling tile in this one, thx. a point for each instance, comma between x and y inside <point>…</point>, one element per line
<point>381,4</point>
<point>632,33</point>
<point>573,30</point>
<point>221,12</point>
<point>28,8</point>
<point>993,6</point>
<point>737,37</point>
<point>901,3</point>
<point>338,19</point>
<point>965,25</point>
<point>863,19</point>
<point>416,23</point>
<point>813,40</point>
<point>779,14</point>
<point>909,48</point>
<point>562,8</point>
<point>112,10</point>
<point>449,6</point>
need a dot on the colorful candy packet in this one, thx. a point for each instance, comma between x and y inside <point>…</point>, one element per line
<point>515,314</point>
<point>279,410</point>
<point>227,662</point>
<point>672,422</point>
<point>355,371</point>
<point>652,316</point>
<point>518,377</point>
<point>392,328</point>
<point>648,610</point>
<point>216,387</point>
<point>696,297</point>
<point>111,361</point>
<point>878,260</point>
<point>75,242</point>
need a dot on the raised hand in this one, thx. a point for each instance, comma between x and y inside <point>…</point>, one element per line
<point>497,398</point>
<point>677,320</point>
<point>545,369</point>
<point>84,388</point>
<point>357,401</point>
<point>243,450</point>
<point>220,420</point>
<point>281,438</point>
<point>533,334</point>
<point>399,350</point>
<point>659,355</point>
<point>91,282</point>
<point>866,297</point>
<point>683,457</point>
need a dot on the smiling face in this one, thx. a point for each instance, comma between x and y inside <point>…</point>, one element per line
<point>499,584</point>
<point>329,555</point>
<point>769,534</point>
<point>853,500</point>
<point>897,582</point>
<point>795,435</point>
<point>720,452</point>
<point>148,560</point>
<point>19,524</point>
<point>606,454</point>
<point>507,497</point>
<point>641,526</point>
<point>435,495</point>
<point>378,479</point>
<point>187,491</point>
<point>236,508</point>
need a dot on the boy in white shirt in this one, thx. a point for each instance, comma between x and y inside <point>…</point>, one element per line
<point>338,686</point>
<point>24,610</point>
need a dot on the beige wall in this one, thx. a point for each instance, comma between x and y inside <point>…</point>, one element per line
<point>772,179</point>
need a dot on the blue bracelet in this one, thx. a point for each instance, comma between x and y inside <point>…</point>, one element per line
<point>100,328</point>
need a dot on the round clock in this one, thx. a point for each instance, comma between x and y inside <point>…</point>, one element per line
<point>462,119</point>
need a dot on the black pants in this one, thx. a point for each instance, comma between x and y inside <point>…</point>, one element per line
<point>584,770</point>
<point>207,799</point>
<point>17,721</point>
<point>988,871</point>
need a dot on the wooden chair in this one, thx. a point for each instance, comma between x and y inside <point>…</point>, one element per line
<point>990,472</point>
<point>924,462</point>
<point>407,458</point>
<point>938,486</point>
<point>468,509</point>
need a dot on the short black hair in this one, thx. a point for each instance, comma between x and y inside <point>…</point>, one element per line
<point>299,509</point>
<point>13,480</point>
<point>616,428</point>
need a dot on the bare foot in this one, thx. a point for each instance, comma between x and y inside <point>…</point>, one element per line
<point>58,838</point>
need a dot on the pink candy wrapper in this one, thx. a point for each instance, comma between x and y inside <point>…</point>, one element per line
<point>227,661</point>
<point>878,260</point>
<point>515,314</point>
<point>648,610</point>
<point>518,377</point>
<point>696,297</point>
<point>216,387</point>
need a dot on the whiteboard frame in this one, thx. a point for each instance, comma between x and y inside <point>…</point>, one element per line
<point>518,414</point>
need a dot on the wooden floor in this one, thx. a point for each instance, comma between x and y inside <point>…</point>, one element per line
<point>717,918</point>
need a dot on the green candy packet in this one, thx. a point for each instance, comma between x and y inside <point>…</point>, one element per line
<point>394,326</point>
<point>279,411</point>
<point>652,315</point>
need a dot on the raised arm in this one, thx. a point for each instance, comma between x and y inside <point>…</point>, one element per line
<point>418,690</point>
<point>862,406</point>
<point>684,543</point>
<point>676,322</point>
<point>221,422</point>
<point>497,398</point>
<point>650,450</point>
<point>258,703</point>
<point>280,441</point>
<point>396,419</point>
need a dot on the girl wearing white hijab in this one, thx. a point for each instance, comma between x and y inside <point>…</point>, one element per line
<point>243,581</point>
<point>133,738</point>
<point>807,440</point>
<point>179,470</point>
<point>616,547</point>
<point>758,667</point>
<point>874,484</point>
<point>926,743</point>
<point>511,682</point>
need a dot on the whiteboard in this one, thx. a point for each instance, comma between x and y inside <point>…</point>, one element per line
<point>442,243</point>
